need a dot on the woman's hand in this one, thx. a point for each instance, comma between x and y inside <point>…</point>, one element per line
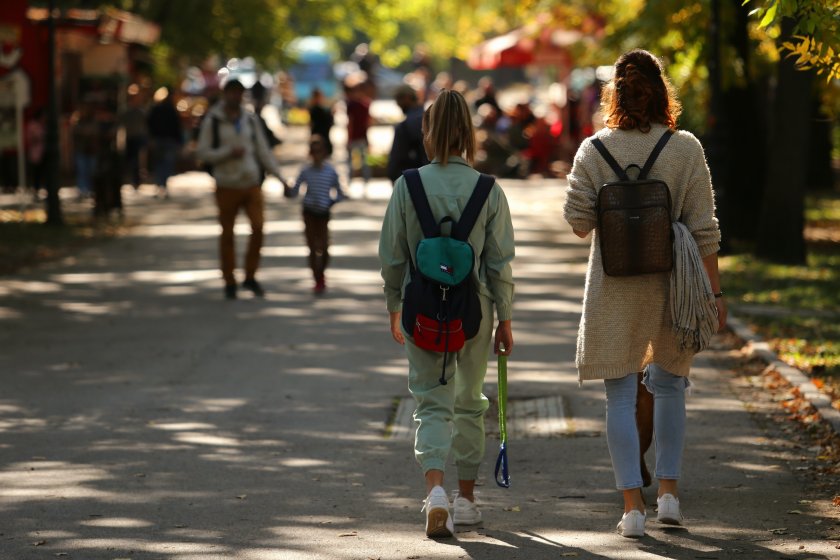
<point>722,312</point>
<point>504,338</point>
<point>396,331</point>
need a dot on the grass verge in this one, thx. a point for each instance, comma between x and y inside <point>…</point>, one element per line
<point>796,308</point>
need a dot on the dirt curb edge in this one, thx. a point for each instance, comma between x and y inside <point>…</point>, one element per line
<point>759,348</point>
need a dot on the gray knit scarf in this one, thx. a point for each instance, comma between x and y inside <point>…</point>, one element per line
<point>693,311</point>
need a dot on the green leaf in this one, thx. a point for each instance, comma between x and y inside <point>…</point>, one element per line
<point>770,15</point>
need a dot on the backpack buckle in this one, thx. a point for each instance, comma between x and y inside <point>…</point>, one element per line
<point>443,289</point>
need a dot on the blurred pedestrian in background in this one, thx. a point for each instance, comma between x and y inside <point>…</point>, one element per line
<point>323,190</point>
<point>487,94</point>
<point>358,123</point>
<point>320,119</point>
<point>134,124</point>
<point>626,324</point>
<point>166,138</point>
<point>108,177</point>
<point>450,417</point>
<point>407,150</point>
<point>36,137</point>
<point>259,97</point>
<point>232,142</point>
<point>86,142</point>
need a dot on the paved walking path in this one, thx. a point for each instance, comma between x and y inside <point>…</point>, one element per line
<point>144,417</point>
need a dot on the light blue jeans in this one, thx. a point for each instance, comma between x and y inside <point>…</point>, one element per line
<point>668,425</point>
<point>85,170</point>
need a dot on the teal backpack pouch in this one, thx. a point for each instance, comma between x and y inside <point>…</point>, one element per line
<point>445,260</point>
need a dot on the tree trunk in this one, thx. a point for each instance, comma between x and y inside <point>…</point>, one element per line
<point>780,234</point>
<point>820,174</point>
<point>745,130</point>
<point>717,129</point>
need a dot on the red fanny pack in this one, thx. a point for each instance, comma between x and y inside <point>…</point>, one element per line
<point>439,336</point>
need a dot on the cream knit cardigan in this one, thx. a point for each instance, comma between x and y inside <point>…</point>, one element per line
<point>626,322</point>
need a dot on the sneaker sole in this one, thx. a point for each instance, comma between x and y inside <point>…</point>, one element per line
<point>669,520</point>
<point>436,524</point>
<point>632,535</point>
<point>469,521</point>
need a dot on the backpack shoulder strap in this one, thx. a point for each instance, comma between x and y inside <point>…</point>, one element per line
<point>214,123</point>
<point>655,153</point>
<point>461,231</point>
<point>605,153</point>
<point>421,203</point>
<point>256,128</point>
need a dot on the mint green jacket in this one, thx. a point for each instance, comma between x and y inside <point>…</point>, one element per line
<point>448,188</point>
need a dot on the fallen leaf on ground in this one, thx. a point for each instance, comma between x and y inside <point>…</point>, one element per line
<point>39,543</point>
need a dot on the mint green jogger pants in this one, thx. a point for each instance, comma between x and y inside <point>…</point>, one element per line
<point>451,417</point>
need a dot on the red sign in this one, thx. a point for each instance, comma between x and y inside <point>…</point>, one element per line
<point>23,49</point>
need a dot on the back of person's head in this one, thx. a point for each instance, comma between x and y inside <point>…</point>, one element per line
<point>451,130</point>
<point>639,94</point>
<point>405,94</point>
<point>317,145</point>
<point>259,93</point>
<point>233,85</point>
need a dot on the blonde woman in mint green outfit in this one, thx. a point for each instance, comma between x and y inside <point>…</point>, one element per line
<point>450,418</point>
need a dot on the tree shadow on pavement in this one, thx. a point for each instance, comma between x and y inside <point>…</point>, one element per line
<point>525,545</point>
<point>692,546</point>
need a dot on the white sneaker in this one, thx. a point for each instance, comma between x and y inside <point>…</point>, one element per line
<point>464,511</point>
<point>438,521</point>
<point>668,510</point>
<point>632,524</point>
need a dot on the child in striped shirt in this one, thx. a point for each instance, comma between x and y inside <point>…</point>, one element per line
<point>320,179</point>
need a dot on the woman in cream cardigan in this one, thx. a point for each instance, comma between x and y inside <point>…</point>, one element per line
<point>626,327</point>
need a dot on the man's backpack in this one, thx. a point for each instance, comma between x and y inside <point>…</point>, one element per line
<point>441,309</point>
<point>634,218</point>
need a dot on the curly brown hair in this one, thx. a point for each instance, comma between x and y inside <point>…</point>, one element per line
<point>639,94</point>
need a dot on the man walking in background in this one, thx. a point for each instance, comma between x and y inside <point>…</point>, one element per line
<point>166,137</point>
<point>231,140</point>
<point>407,150</point>
<point>358,122</point>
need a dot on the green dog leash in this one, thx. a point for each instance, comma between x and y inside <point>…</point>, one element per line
<point>502,460</point>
